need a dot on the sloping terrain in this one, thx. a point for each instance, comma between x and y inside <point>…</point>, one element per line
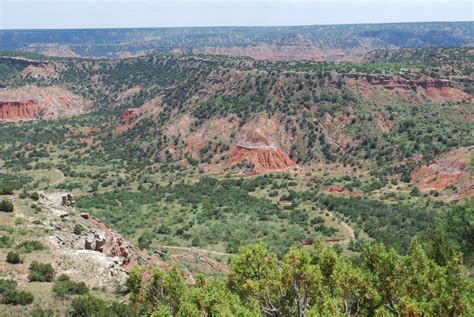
<point>248,116</point>
<point>33,102</point>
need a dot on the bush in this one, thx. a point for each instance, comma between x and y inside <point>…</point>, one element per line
<point>6,242</point>
<point>29,246</point>
<point>65,286</point>
<point>35,196</point>
<point>6,191</point>
<point>415,192</point>
<point>7,286</point>
<point>88,306</point>
<point>85,306</point>
<point>77,229</point>
<point>18,298</point>
<point>41,272</point>
<point>13,257</point>
<point>10,294</point>
<point>42,312</point>
<point>6,205</point>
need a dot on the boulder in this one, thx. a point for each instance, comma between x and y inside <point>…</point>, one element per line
<point>88,243</point>
<point>100,241</point>
<point>68,200</point>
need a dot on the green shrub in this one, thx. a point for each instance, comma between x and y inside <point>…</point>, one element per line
<point>6,205</point>
<point>10,294</point>
<point>18,298</point>
<point>7,286</point>
<point>415,192</point>
<point>42,312</point>
<point>65,286</point>
<point>28,246</point>
<point>6,242</point>
<point>35,196</point>
<point>13,257</point>
<point>6,191</point>
<point>85,306</point>
<point>88,306</point>
<point>273,194</point>
<point>41,272</point>
<point>77,229</point>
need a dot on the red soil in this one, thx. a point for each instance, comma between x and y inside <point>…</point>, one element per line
<point>426,88</point>
<point>334,190</point>
<point>33,102</point>
<point>265,160</point>
<point>440,175</point>
<point>127,115</point>
<point>19,110</point>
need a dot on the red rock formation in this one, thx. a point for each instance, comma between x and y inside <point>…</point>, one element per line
<point>19,110</point>
<point>33,102</point>
<point>116,245</point>
<point>334,190</point>
<point>128,115</point>
<point>123,128</point>
<point>439,175</point>
<point>36,71</point>
<point>334,130</point>
<point>450,170</point>
<point>430,89</point>
<point>265,160</point>
<point>292,48</point>
<point>260,143</point>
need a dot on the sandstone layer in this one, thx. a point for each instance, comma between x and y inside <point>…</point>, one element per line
<point>33,102</point>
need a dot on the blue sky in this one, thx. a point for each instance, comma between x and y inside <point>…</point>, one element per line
<point>31,14</point>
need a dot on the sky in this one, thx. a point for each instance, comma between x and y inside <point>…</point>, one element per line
<point>59,14</point>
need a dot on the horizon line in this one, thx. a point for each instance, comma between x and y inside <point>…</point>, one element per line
<point>228,26</point>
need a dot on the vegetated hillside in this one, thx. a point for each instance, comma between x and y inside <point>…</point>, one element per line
<point>355,175</point>
<point>386,131</point>
<point>56,261</point>
<point>317,42</point>
<point>244,116</point>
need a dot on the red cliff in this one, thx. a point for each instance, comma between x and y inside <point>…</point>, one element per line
<point>19,110</point>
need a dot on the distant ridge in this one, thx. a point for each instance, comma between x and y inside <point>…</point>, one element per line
<point>348,42</point>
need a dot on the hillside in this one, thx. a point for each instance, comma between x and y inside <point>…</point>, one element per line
<point>316,42</point>
<point>189,158</point>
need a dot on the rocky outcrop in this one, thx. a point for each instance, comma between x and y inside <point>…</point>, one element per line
<point>19,110</point>
<point>439,175</point>
<point>259,144</point>
<point>33,102</point>
<point>334,189</point>
<point>449,171</point>
<point>38,71</point>
<point>52,49</point>
<point>110,242</point>
<point>424,89</point>
<point>68,200</point>
<point>296,47</point>
<point>334,126</point>
<point>128,115</point>
<point>262,160</point>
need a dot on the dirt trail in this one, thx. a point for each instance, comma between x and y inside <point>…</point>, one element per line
<point>60,179</point>
<point>350,232</point>
<point>192,248</point>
